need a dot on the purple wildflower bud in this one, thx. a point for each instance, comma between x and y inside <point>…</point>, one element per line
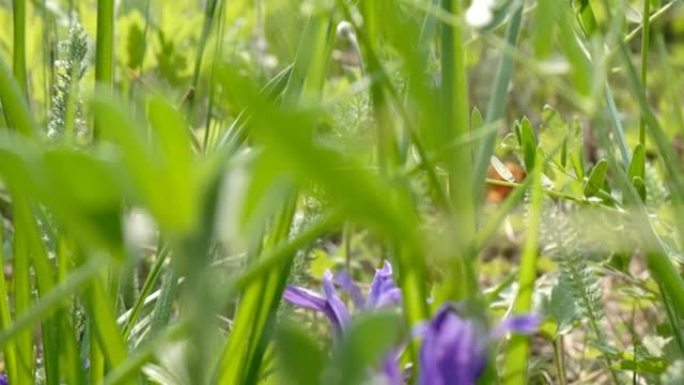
<point>383,292</point>
<point>329,304</point>
<point>454,349</point>
<point>345,281</point>
<point>338,307</point>
<point>521,324</point>
<point>3,379</point>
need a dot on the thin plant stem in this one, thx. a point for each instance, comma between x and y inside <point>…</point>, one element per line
<point>150,281</point>
<point>461,283</point>
<point>218,54</point>
<point>209,14</point>
<point>645,37</point>
<point>10,353</point>
<point>145,33</point>
<point>559,360</point>
<point>19,52</point>
<point>104,49</point>
<point>496,105</point>
<point>518,350</point>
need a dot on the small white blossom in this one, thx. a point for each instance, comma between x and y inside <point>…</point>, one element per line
<point>480,13</point>
<point>140,230</point>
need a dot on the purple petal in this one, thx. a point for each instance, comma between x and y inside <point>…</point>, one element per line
<point>3,379</point>
<point>391,370</point>
<point>391,297</point>
<point>453,350</point>
<point>305,298</point>
<point>345,280</point>
<point>308,299</point>
<point>382,290</point>
<point>523,324</point>
<point>334,302</point>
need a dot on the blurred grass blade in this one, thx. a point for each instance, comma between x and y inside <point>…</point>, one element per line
<point>242,355</point>
<point>659,264</point>
<point>492,225</point>
<point>370,338</point>
<point>544,28</point>
<point>103,322</point>
<point>237,133</point>
<point>456,112</point>
<point>301,357</point>
<point>23,293</point>
<point>10,353</point>
<point>518,350</point>
<point>19,51</point>
<point>146,289</point>
<point>161,173</point>
<point>645,40</point>
<point>618,129</point>
<point>104,50</point>
<point>128,369</point>
<point>51,301</point>
<point>14,104</point>
<point>581,66</point>
<point>497,98</point>
<point>26,227</point>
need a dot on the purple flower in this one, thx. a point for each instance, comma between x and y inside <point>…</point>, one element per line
<point>329,303</point>
<point>454,349</point>
<point>3,379</point>
<point>383,293</point>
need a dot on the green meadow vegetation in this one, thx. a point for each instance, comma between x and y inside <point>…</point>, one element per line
<point>341,192</point>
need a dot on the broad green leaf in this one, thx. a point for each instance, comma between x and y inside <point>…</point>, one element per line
<point>638,164</point>
<point>577,148</point>
<point>561,306</point>
<point>528,141</point>
<point>640,187</point>
<point>301,358</point>
<point>81,179</point>
<point>369,339</point>
<point>597,178</point>
<point>146,172</point>
<point>172,134</point>
<point>85,194</point>
<point>585,16</point>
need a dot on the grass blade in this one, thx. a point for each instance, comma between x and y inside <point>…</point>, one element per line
<point>19,53</point>
<point>518,350</point>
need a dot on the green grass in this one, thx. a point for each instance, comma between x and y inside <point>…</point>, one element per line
<point>202,156</point>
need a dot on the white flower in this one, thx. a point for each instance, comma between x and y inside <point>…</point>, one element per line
<point>480,13</point>
<point>140,230</point>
